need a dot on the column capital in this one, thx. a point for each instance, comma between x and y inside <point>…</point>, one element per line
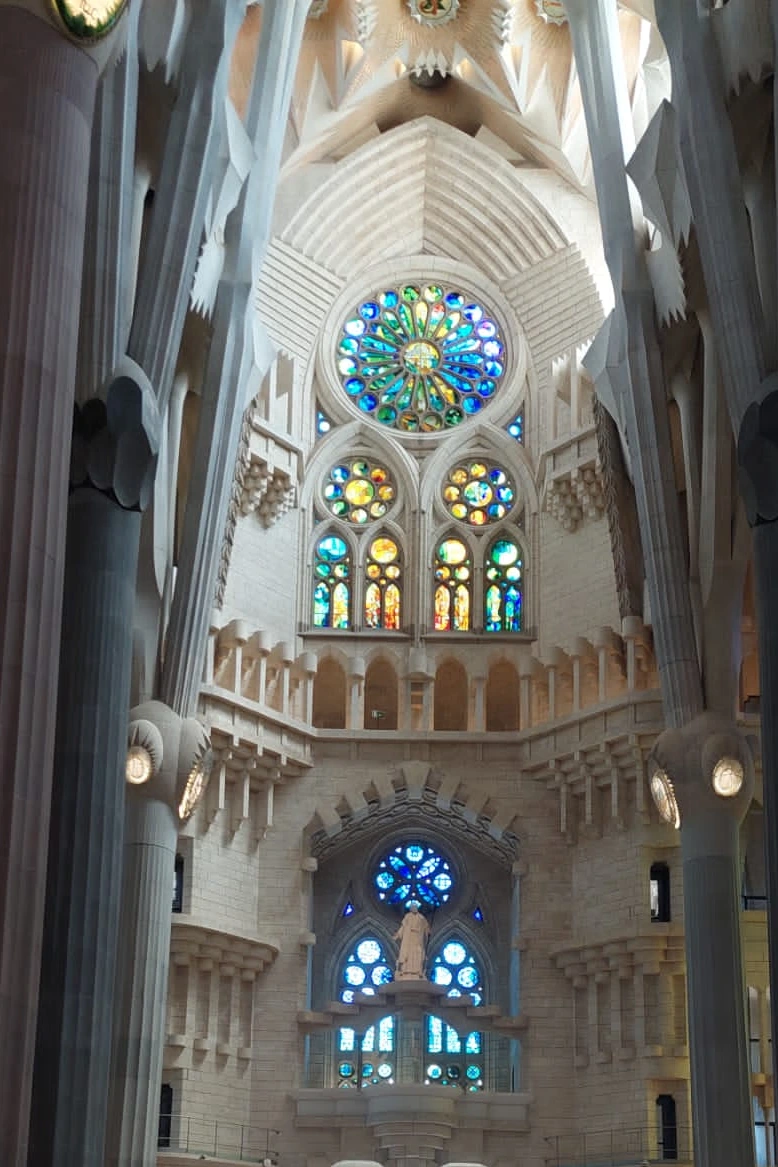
<point>169,757</point>
<point>116,440</point>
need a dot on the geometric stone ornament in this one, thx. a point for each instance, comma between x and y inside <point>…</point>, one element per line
<point>757,456</point>
<point>577,494</point>
<point>434,12</point>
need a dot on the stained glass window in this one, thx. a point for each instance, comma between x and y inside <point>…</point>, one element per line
<point>364,971</point>
<point>414,873</point>
<point>503,594</point>
<point>382,585</point>
<point>359,491</point>
<point>478,493</point>
<point>516,427</point>
<point>453,1058</point>
<point>323,423</point>
<point>453,583</point>
<point>421,358</point>
<point>332,572</point>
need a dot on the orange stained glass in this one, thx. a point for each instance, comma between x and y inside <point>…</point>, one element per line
<point>461,609</point>
<point>386,493</point>
<point>373,606</point>
<point>378,474</point>
<point>442,609</point>
<point>392,608</point>
<point>373,571</point>
<point>383,550</point>
<point>451,493</point>
<point>478,518</point>
<point>459,477</point>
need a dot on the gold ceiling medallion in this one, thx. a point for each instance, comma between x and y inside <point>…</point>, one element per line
<point>552,11</point>
<point>89,19</point>
<point>433,11</point>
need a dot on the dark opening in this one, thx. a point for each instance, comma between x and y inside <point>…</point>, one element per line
<point>165,1115</point>
<point>659,892</point>
<point>178,884</point>
<point>668,1130</point>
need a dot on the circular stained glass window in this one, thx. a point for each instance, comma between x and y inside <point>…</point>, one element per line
<point>421,358</point>
<point>413,873</point>
<point>478,493</point>
<point>359,491</point>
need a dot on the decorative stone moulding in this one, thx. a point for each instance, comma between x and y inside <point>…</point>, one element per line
<point>552,11</point>
<point>434,12</point>
<point>268,492</point>
<point>577,495</point>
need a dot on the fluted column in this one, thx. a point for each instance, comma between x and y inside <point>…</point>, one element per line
<point>167,768</point>
<point>702,780</point>
<point>112,464</point>
<point>45,124</point>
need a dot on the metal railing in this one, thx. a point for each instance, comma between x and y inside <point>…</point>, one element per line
<point>631,1147</point>
<point>188,1134</point>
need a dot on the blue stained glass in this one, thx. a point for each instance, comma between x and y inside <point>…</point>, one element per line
<point>386,1034</point>
<point>331,548</point>
<point>355,974</point>
<point>473,1071</point>
<point>474,312</point>
<point>493,368</point>
<point>368,951</point>
<point>454,300</point>
<point>454,952</point>
<point>414,873</point>
<point>473,1043</point>
<point>323,424</point>
<point>434,1072</point>
<point>347,1041</point>
<point>453,1042</point>
<point>442,975</point>
<point>434,1035</point>
<point>354,385</point>
<point>471,404</point>
<point>415,853</point>
<point>442,881</point>
<point>381,975</point>
<point>487,388</point>
<point>478,915</point>
<point>390,299</point>
<point>487,329</point>
<point>428,866</point>
<point>355,327</point>
<point>347,996</point>
<point>467,977</point>
<point>493,348</point>
<point>367,402</point>
<point>384,880</point>
<point>369,310</point>
<point>516,428</point>
<point>348,910</point>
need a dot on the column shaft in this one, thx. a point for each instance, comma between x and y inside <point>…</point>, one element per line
<point>70,1092</point>
<point>45,122</point>
<point>144,958</point>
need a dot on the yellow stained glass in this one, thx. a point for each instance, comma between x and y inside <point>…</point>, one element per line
<point>442,609</point>
<point>477,469</point>
<point>392,571</point>
<point>392,608</point>
<point>378,474</point>
<point>359,492</point>
<point>478,518</point>
<point>383,550</point>
<point>340,606</point>
<point>459,510</point>
<point>373,571</point>
<point>359,515</point>
<point>386,493</point>
<point>451,493</point>
<point>452,551</point>
<point>461,609</point>
<point>373,606</point>
<point>459,477</point>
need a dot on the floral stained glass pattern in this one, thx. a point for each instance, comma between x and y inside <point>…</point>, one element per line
<point>382,589</point>
<point>364,971</point>
<point>453,581</point>
<point>421,358</point>
<point>455,1059</point>
<point>332,571</point>
<point>414,873</point>
<point>477,493</point>
<point>503,587</point>
<point>359,491</point>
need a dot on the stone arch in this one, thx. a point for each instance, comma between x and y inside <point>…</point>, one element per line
<point>451,697</point>
<point>502,697</point>
<point>381,694</point>
<point>329,694</point>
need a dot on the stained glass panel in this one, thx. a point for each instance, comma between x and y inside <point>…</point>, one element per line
<point>421,358</point>
<point>453,575</point>
<point>478,494</point>
<point>503,595</point>
<point>359,491</point>
<point>414,873</point>
<point>382,594</point>
<point>332,568</point>
<point>364,970</point>
<point>456,968</point>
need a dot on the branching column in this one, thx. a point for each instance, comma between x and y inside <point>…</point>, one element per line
<point>112,467</point>
<point>45,125</point>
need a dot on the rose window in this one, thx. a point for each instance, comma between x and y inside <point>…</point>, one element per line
<point>421,358</point>
<point>478,493</point>
<point>359,491</point>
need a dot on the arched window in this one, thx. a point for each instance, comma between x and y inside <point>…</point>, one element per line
<point>455,1058</point>
<point>383,572</point>
<point>503,587</point>
<point>331,589</point>
<point>329,695</point>
<point>453,587</point>
<point>367,1059</point>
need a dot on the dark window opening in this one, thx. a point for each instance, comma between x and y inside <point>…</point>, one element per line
<point>668,1130</point>
<point>659,892</point>
<point>178,884</point>
<point>165,1115</point>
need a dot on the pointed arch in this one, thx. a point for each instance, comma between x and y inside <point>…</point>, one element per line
<point>502,697</point>
<point>329,695</point>
<point>381,695</point>
<point>451,702</point>
<point>452,569</point>
<point>332,600</point>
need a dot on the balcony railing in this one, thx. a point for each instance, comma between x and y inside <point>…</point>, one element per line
<point>187,1134</point>
<point>633,1147</point>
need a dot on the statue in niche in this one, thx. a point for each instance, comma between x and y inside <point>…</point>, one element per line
<point>413,934</point>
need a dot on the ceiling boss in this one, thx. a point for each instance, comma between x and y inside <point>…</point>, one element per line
<point>89,19</point>
<point>433,11</point>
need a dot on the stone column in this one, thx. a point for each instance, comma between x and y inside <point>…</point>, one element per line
<point>112,467</point>
<point>45,124</point>
<point>702,780</point>
<point>166,769</point>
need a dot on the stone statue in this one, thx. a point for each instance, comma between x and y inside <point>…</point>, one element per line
<point>413,934</point>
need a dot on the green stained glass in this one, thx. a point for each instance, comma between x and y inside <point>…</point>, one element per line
<point>420,358</point>
<point>331,596</point>
<point>503,597</point>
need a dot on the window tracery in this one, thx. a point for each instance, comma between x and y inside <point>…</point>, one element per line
<point>503,593</point>
<point>453,586</point>
<point>383,576</point>
<point>359,491</point>
<point>331,591</point>
<point>454,1059</point>
<point>414,873</point>
<point>478,493</point>
<point>364,971</point>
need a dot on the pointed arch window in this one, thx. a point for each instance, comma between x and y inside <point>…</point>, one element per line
<point>503,587</point>
<point>453,587</point>
<point>383,584</point>
<point>331,589</point>
<point>365,1058</point>
<point>455,1058</point>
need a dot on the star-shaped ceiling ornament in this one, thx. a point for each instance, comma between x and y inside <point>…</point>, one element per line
<point>433,11</point>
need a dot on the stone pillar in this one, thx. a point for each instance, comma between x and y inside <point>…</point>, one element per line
<point>112,467</point>
<point>45,124</point>
<point>167,767</point>
<point>702,781</point>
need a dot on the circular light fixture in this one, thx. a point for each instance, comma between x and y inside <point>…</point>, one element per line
<point>139,765</point>
<point>728,775</point>
<point>195,784</point>
<point>89,19</point>
<point>663,794</point>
